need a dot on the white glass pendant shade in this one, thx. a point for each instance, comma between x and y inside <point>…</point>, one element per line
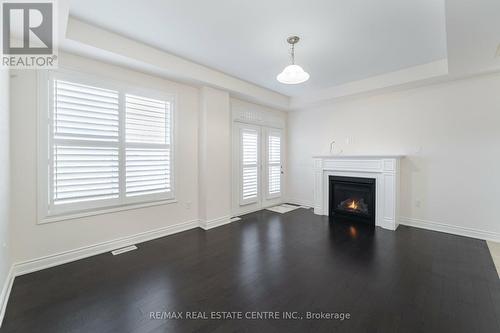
<point>293,74</point>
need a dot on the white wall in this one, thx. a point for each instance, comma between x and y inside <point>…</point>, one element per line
<point>214,157</point>
<point>449,132</point>
<point>5,256</point>
<point>33,240</point>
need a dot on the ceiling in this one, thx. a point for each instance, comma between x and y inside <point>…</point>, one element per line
<point>341,41</point>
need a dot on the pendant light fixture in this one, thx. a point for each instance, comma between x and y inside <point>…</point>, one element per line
<point>293,74</point>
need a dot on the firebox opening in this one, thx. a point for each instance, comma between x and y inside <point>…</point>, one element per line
<point>353,198</point>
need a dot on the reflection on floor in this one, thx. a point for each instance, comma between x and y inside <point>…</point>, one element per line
<point>411,280</point>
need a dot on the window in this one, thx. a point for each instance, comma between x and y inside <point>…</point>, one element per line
<point>147,136</point>
<point>106,145</point>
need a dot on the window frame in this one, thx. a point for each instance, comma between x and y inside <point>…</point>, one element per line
<point>47,212</point>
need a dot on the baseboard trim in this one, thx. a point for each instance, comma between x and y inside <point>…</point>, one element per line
<point>214,223</point>
<point>450,229</point>
<point>30,266</point>
<point>300,202</point>
<point>4,296</point>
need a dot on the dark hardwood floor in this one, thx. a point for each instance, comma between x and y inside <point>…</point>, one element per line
<point>411,280</point>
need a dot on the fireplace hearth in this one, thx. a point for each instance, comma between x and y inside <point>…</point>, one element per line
<point>352,198</point>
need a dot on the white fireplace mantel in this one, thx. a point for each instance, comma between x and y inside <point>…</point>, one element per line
<point>385,169</point>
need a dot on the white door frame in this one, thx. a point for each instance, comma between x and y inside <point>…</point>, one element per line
<point>263,199</point>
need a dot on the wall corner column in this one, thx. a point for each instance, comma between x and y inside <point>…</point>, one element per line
<point>214,133</point>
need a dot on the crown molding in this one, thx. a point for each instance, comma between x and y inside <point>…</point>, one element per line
<point>421,74</point>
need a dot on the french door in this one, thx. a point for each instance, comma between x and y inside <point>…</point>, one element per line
<point>257,167</point>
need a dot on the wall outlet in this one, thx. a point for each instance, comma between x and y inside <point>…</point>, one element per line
<point>349,140</point>
<point>418,203</point>
<point>187,204</point>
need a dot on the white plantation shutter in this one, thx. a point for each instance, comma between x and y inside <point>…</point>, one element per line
<point>148,136</point>
<point>148,120</point>
<point>85,173</point>
<point>85,143</point>
<point>249,165</point>
<point>105,147</point>
<point>274,164</point>
<point>84,112</point>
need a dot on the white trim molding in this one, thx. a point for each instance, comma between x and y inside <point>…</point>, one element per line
<point>300,202</point>
<point>214,223</point>
<point>52,260</point>
<point>406,77</point>
<point>105,211</point>
<point>450,229</point>
<point>6,289</point>
<point>384,169</point>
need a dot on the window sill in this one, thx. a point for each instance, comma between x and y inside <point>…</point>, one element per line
<point>72,216</point>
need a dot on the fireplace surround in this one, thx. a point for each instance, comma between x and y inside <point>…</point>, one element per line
<point>384,169</point>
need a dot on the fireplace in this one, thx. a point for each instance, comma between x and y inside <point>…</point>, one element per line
<point>384,170</point>
<point>352,198</point>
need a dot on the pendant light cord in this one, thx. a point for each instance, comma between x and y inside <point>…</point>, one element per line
<point>293,54</point>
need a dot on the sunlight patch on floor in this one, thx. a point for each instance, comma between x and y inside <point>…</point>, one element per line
<point>495,254</point>
<point>282,209</point>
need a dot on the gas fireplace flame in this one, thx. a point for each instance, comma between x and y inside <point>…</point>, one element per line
<point>353,205</point>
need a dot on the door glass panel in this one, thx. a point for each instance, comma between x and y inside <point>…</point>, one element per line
<point>249,165</point>
<point>274,164</point>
